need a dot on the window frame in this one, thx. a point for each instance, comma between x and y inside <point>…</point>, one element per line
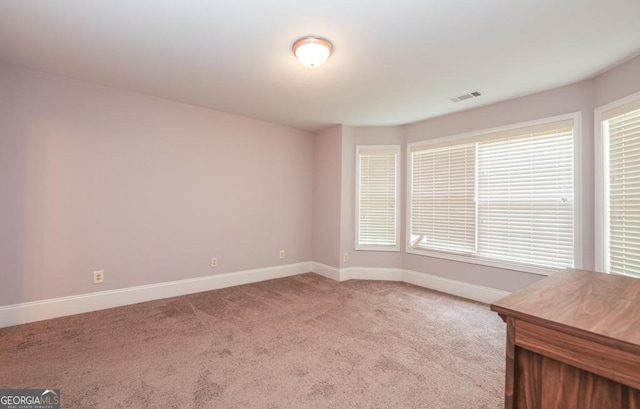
<point>370,247</point>
<point>601,202</point>
<point>576,117</point>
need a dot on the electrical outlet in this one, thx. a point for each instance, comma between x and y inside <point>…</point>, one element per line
<point>214,262</point>
<point>98,277</point>
<point>345,257</point>
<point>281,253</point>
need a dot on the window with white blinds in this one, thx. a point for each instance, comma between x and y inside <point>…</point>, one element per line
<point>621,137</point>
<point>377,194</point>
<point>443,207</point>
<point>525,199</point>
<point>499,198</point>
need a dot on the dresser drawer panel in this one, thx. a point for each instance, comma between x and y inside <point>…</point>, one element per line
<point>603,360</point>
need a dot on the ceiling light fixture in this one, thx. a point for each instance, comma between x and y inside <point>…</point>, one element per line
<point>312,51</point>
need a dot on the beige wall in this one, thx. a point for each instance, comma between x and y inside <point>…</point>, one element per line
<point>327,173</point>
<point>148,190</point>
<point>573,98</point>
<point>93,178</point>
<point>617,83</point>
<point>353,136</point>
<point>581,97</point>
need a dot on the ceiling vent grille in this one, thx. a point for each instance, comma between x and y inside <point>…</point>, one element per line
<point>474,94</point>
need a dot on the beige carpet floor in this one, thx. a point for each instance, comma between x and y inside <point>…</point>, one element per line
<point>297,342</point>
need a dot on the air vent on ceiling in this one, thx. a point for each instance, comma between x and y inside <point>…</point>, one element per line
<point>470,95</point>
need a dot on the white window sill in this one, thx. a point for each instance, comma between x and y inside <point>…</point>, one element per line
<point>376,248</point>
<point>525,268</point>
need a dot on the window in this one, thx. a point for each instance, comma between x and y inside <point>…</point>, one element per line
<point>503,197</point>
<point>618,180</point>
<point>443,206</point>
<point>377,193</point>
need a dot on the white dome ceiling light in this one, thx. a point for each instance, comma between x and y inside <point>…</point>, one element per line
<point>312,51</point>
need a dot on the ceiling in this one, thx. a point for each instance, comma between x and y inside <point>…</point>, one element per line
<point>394,62</point>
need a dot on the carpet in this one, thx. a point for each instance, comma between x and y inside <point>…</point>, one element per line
<point>297,342</point>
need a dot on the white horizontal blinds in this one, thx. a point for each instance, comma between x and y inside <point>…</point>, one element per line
<point>624,193</point>
<point>525,198</point>
<point>377,197</point>
<point>443,199</point>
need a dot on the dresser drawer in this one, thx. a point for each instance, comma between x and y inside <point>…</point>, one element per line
<point>591,356</point>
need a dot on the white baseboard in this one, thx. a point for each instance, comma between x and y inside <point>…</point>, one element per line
<point>77,304</point>
<point>474,292</point>
<point>459,288</point>
<point>327,271</point>
<point>369,273</point>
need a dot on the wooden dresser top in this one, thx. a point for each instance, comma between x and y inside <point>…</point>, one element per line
<point>605,305</point>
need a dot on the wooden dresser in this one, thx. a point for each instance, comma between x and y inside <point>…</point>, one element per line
<point>573,341</point>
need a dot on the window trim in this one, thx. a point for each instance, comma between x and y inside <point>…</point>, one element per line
<point>370,247</point>
<point>601,154</point>
<point>576,117</point>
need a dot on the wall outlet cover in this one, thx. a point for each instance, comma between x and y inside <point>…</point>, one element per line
<point>98,277</point>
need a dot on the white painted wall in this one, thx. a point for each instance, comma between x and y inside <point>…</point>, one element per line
<point>148,190</point>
